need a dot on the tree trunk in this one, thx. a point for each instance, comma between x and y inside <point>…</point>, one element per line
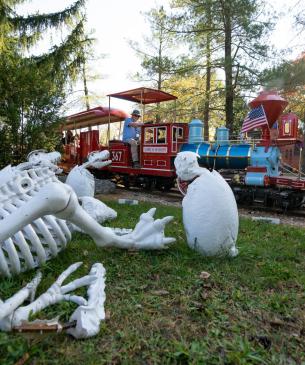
<point>86,87</point>
<point>160,68</point>
<point>229,92</point>
<point>206,115</point>
<point>303,151</point>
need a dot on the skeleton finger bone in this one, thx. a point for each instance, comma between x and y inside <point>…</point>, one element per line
<point>28,292</point>
<point>64,275</point>
<point>88,317</point>
<point>78,283</point>
<point>53,295</point>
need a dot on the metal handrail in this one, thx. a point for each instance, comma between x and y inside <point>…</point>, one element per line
<point>298,174</point>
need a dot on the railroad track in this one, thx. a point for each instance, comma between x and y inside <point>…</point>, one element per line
<point>280,212</point>
<point>174,196</point>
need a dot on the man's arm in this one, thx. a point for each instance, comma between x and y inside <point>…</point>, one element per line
<point>135,124</point>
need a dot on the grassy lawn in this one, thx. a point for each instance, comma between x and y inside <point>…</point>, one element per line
<point>160,310</point>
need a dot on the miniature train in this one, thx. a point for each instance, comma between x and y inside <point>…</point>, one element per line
<point>253,170</point>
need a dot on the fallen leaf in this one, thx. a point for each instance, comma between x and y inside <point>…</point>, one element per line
<point>204,275</point>
<point>160,292</point>
<point>23,360</point>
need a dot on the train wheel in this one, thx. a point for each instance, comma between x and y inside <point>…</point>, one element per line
<point>126,182</point>
<point>165,184</point>
<point>148,184</point>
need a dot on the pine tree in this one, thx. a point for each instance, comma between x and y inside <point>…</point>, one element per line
<point>33,88</point>
<point>235,33</point>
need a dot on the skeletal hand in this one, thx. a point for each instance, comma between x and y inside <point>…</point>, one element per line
<point>149,233</point>
<point>56,293</point>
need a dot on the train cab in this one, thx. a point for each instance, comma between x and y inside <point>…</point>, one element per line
<point>159,144</point>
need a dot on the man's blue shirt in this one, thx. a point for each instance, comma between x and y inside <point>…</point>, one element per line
<point>130,132</point>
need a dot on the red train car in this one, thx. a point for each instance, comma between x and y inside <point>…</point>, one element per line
<point>81,134</point>
<point>287,134</point>
<point>158,147</point>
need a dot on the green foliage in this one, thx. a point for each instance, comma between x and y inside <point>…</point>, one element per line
<point>191,93</point>
<point>226,35</point>
<point>29,107</point>
<point>161,311</point>
<point>289,79</point>
<point>33,89</point>
<point>158,61</point>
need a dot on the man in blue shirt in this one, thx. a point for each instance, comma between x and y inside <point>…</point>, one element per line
<point>131,135</point>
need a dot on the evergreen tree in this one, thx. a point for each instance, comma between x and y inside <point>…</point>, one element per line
<point>32,89</point>
<point>157,64</point>
<point>228,34</point>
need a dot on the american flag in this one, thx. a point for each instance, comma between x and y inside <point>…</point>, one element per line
<point>255,118</point>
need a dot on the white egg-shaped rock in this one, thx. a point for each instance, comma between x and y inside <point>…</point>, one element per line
<point>210,214</point>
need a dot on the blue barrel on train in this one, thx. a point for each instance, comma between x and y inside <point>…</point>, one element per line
<point>222,136</point>
<point>196,127</point>
<point>215,156</point>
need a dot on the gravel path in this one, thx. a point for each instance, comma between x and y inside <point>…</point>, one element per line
<point>243,212</point>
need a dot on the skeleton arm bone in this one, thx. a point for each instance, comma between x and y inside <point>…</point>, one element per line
<point>60,200</point>
<point>57,199</point>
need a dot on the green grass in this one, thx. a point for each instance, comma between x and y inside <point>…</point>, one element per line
<point>251,310</point>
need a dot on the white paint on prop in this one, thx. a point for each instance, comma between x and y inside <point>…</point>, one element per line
<point>38,214</point>
<point>210,214</point>
<point>88,315</point>
<point>98,210</point>
<point>81,181</point>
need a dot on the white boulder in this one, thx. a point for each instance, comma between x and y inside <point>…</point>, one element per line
<point>210,214</point>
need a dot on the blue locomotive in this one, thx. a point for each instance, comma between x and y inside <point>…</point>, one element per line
<point>253,170</point>
<point>258,162</point>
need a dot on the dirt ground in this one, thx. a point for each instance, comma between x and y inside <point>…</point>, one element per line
<point>243,212</point>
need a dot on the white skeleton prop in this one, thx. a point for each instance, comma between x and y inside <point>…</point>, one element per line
<point>41,158</point>
<point>38,214</point>
<point>87,316</point>
<point>81,180</point>
<point>210,214</point>
<point>36,210</point>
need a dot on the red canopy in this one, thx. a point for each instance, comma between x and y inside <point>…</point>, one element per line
<point>96,116</point>
<point>144,95</point>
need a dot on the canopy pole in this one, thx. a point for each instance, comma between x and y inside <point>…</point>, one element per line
<point>120,133</point>
<point>300,163</point>
<point>108,131</point>
<point>142,106</point>
<point>175,111</point>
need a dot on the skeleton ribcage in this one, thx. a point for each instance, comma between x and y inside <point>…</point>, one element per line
<point>37,242</point>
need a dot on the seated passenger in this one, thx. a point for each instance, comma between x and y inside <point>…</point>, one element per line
<point>68,138</point>
<point>131,135</point>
